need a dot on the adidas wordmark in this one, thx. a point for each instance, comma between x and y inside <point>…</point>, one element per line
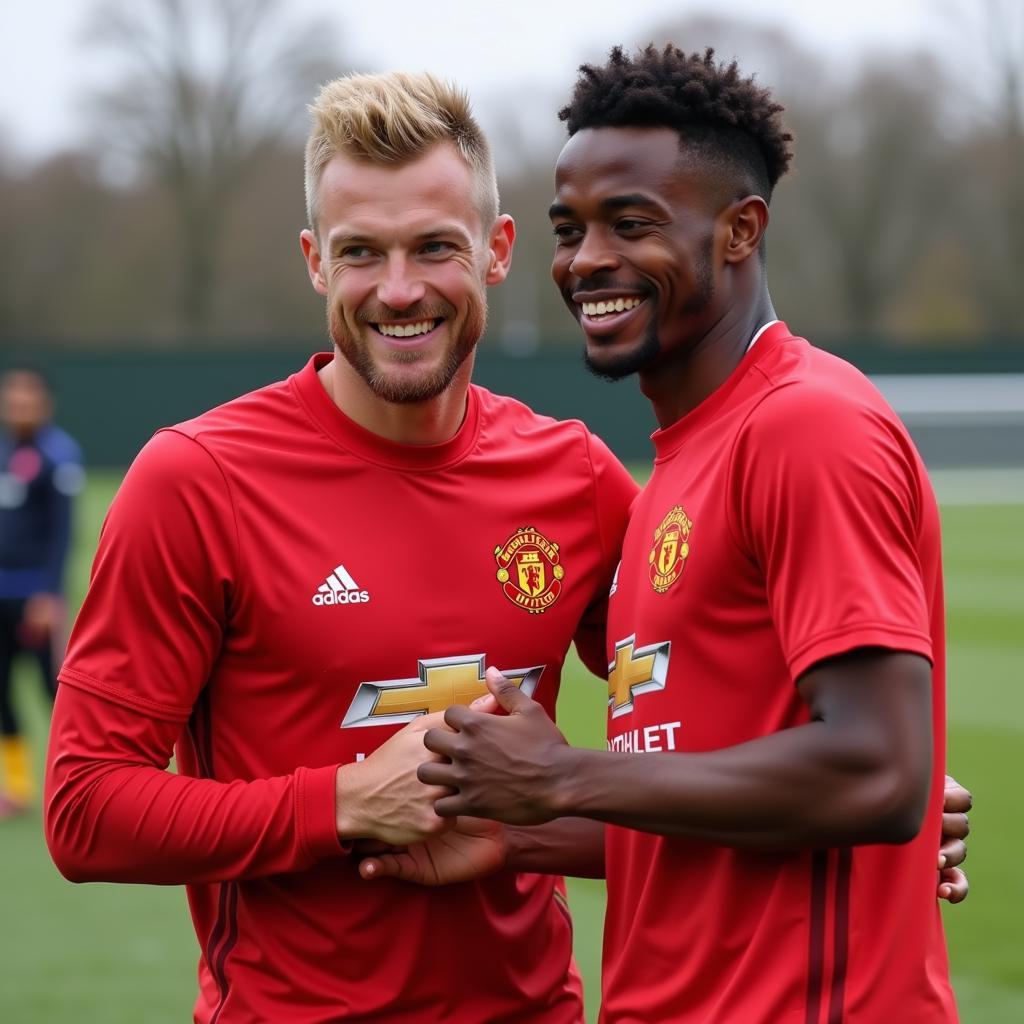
<point>340,588</point>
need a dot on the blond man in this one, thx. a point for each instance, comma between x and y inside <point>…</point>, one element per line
<point>289,588</point>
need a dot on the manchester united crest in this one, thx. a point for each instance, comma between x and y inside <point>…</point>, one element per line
<point>529,571</point>
<point>671,549</point>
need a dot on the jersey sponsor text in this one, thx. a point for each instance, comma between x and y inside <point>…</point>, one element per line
<point>651,739</point>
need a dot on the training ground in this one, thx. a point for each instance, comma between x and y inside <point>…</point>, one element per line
<point>104,954</point>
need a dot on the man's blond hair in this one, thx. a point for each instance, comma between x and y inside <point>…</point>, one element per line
<point>394,118</point>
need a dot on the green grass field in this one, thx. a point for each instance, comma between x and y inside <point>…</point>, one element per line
<point>102,954</point>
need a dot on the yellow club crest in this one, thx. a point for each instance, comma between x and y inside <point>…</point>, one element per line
<point>671,549</point>
<point>529,571</point>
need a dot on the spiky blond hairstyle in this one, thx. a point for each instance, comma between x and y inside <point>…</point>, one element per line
<point>393,118</point>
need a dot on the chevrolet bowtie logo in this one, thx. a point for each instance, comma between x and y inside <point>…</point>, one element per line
<point>634,672</point>
<point>441,683</point>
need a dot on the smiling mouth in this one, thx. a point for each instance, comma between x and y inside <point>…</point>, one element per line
<point>407,330</point>
<point>606,308</point>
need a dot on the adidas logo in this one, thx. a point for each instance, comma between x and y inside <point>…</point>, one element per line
<point>340,588</point>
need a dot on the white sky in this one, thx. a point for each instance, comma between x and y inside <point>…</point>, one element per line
<point>489,48</point>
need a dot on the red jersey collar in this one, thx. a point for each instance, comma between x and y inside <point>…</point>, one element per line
<point>372,447</point>
<point>668,440</point>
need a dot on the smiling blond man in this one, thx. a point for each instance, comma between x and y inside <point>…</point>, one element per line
<point>288,584</point>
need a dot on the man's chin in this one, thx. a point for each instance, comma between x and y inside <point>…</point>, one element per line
<point>408,388</point>
<point>603,362</point>
<point>409,392</point>
<point>407,378</point>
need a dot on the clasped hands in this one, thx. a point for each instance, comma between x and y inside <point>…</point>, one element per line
<point>466,761</point>
<point>485,770</point>
<point>427,804</point>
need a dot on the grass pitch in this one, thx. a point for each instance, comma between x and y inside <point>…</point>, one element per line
<point>104,954</point>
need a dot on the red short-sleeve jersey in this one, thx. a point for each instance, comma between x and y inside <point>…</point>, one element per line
<point>788,519</point>
<point>276,592</point>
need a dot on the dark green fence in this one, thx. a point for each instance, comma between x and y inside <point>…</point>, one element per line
<point>113,401</point>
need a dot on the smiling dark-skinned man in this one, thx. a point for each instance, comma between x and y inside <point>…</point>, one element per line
<point>776,622</point>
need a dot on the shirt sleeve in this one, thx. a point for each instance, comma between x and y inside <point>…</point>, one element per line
<point>614,493</point>
<point>826,496</point>
<point>141,651</point>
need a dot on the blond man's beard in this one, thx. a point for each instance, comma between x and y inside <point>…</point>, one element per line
<point>406,388</point>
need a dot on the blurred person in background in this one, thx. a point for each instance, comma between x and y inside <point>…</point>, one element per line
<point>40,474</point>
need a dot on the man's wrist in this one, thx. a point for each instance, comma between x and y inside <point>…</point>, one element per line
<point>346,804</point>
<point>317,801</point>
<point>561,799</point>
<point>517,846</point>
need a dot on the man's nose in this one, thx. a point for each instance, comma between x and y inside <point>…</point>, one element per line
<point>400,287</point>
<point>594,254</point>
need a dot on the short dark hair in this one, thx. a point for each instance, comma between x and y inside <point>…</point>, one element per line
<point>723,118</point>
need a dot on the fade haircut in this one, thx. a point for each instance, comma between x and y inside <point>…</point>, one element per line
<point>726,121</point>
<point>394,118</point>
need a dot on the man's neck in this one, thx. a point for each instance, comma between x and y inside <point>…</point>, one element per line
<point>676,387</point>
<point>421,423</point>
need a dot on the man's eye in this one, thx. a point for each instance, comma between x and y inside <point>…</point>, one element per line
<point>437,248</point>
<point>356,252</point>
<point>630,224</point>
<point>566,233</point>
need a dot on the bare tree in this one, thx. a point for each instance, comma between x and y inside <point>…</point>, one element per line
<point>993,151</point>
<point>874,174</point>
<point>200,92</point>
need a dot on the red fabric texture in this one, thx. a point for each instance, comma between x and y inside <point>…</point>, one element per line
<point>201,633</point>
<point>812,531</point>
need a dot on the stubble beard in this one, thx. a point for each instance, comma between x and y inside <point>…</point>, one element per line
<point>408,388</point>
<point>625,365</point>
<point>645,356</point>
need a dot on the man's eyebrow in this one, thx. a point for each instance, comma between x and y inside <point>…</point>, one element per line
<point>340,238</point>
<point>631,199</point>
<point>612,203</point>
<point>444,231</point>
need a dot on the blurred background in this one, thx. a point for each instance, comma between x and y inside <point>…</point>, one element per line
<point>150,203</point>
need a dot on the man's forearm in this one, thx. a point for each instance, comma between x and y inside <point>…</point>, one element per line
<point>797,788</point>
<point>566,846</point>
<point>111,816</point>
<point>860,771</point>
<point>140,824</point>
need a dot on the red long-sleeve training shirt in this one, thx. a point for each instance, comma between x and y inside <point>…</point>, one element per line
<point>276,591</point>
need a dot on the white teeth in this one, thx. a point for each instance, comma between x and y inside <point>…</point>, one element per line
<point>406,330</point>
<point>609,306</point>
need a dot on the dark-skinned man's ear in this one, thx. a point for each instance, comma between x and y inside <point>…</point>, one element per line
<point>748,220</point>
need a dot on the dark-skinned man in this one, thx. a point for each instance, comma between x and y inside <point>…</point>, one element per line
<point>773,780</point>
